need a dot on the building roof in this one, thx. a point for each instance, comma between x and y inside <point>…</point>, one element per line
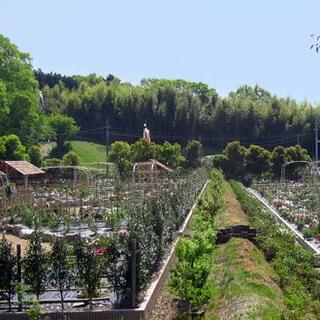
<point>23,167</point>
<point>151,165</point>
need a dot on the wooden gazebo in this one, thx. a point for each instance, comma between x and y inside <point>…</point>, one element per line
<point>148,171</point>
<point>16,169</point>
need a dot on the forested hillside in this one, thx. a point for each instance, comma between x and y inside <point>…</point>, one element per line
<point>178,110</point>
<point>81,107</point>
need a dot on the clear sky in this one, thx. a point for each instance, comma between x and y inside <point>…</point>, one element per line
<point>225,43</point>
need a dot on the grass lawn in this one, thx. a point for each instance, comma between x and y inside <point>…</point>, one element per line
<point>89,151</point>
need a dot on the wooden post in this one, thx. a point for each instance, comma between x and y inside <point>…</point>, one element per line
<point>75,176</point>
<point>18,262</point>
<point>19,278</point>
<point>25,180</point>
<point>133,272</point>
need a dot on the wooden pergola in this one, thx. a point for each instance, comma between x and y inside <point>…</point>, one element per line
<point>20,168</point>
<point>148,171</point>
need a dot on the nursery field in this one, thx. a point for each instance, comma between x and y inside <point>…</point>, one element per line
<point>298,203</point>
<point>95,227</point>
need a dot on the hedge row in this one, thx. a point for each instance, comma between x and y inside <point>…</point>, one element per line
<point>295,267</point>
<point>188,279</point>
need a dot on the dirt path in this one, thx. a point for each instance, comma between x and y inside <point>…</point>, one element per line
<point>232,213</point>
<point>244,283</point>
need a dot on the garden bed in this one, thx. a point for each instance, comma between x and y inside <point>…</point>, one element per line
<point>298,204</point>
<point>179,198</point>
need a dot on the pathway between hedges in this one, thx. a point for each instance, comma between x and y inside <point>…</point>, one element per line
<point>244,284</point>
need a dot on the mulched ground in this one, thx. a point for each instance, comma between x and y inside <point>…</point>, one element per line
<point>165,307</point>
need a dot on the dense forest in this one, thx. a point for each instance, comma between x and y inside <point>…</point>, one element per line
<point>82,107</point>
<point>177,111</point>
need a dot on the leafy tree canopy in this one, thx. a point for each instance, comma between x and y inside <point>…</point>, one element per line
<point>19,95</point>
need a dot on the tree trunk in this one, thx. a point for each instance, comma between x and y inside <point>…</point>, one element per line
<point>62,299</point>
<point>9,301</point>
<point>90,302</point>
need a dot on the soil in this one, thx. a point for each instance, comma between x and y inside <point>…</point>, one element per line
<point>165,308</point>
<point>24,243</point>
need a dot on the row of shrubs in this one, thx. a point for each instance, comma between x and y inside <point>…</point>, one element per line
<point>63,267</point>
<point>188,279</point>
<point>154,221</point>
<point>151,221</point>
<point>295,267</point>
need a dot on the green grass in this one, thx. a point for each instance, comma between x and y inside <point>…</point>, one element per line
<point>89,151</point>
<point>244,284</point>
<point>244,277</point>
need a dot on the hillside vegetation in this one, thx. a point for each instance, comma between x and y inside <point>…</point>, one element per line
<point>89,151</point>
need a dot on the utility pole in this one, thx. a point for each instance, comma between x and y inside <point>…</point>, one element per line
<point>107,133</point>
<point>316,140</point>
<point>298,139</point>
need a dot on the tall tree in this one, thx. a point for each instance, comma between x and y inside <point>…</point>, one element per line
<point>61,272</point>
<point>7,270</point>
<point>35,264</point>
<point>88,267</point>
<point>193,153</point>
<point>19,95</point>
<point>63,126</point>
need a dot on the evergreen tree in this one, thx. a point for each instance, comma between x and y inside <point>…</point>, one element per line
<point>35,265</point>
<point>61,272</point>
<point>193,153</point>
<point>7,270</point>
<point>88,269</point>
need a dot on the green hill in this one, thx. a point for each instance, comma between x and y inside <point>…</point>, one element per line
<point>89,151</point>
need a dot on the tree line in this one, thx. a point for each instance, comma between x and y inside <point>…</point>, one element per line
<point>241,163</point>
<point>179,110</point>
<point>174,110</point>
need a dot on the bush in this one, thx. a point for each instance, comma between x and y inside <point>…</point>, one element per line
<point>189,277</point>
<point>53,162</point>
<point>71,159</point>
<point>120,154</point>
<point>193,154</point>
<point>11,148</point>
<point>35,156</point>
<point>35,311</point>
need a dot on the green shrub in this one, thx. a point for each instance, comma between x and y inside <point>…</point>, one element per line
<point>188,279</point>
<point>53,162</point>
<point>294,265</point>
<point>71,159</point>
<point>35,311</point>
<point>35,156</point>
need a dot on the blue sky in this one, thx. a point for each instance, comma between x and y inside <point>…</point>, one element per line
<point>224,43</point>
